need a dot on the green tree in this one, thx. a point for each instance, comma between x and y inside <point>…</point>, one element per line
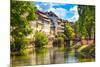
<point>40,40</point>
<point>69,32</point>
<point>85,26</point>
<point>90,21</point>
<point>22,12</point>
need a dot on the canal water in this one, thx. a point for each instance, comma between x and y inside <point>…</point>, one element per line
<point>48,56</point>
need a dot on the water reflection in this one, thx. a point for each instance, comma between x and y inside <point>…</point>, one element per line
<point>71,57</point>
<point>48,56</point>
<point>40,56</point>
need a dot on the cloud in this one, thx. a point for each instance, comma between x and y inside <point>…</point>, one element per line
<point>74,18</point>
<point>57,4</point>
<point>73,8</point>
<point>75,12</point>
<point>65,11</point>
<point>38,7</point>
<point>60,12</point>
<point>45,4</point>
<point>70,15</point>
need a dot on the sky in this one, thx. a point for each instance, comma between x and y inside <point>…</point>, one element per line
<point>62,10</point>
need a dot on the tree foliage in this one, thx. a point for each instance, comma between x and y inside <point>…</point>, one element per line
<point>22,12</point>
<point>69,31</point>
<point>85,26</point>
<point>40,40</point>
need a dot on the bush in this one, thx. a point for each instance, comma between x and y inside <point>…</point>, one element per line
<point>61,35</point>
<point>19,45</point>
<point>69,32</point>
<point>40,39</point>
<point>60,40</point>
<point>88,51</point>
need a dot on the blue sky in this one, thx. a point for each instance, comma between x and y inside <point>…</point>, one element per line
<point>65,11</point>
